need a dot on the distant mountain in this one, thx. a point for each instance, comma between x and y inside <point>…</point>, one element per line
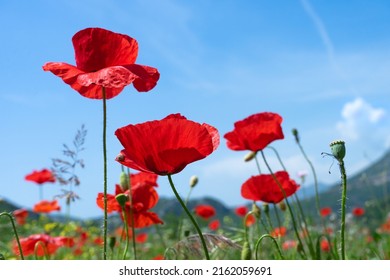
<point>369,188</point>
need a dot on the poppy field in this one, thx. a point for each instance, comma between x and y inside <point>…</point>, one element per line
<point>273,225</point>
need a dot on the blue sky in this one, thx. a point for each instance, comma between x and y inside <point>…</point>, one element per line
<point>322,65</point>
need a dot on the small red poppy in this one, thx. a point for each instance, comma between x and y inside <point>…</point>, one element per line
<point>279,232</point>
<point>325,245</point>
<point>46,206</point>
<point>289,244</point>
<point>358,211</point>
<point>205,211</point>
<point>250,220</point>
<point>159,257</point>
<point>214,225</point>
<point>264,187</point>
<point>20,216</point>
<point>255,132</point>
<point>166,146</point>
<point>141,237</point>
<point>241,211</point>
<point>326,211</point>
<point>104,59</point>
<point>41,177</point>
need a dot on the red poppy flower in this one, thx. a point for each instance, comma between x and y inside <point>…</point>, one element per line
<point>41,177</point>
<point>326,211</point>
<point>255,132</point>
<point>104,59</point>
<point>51,244</point>
<point>264,187</point>
<point>241,211</point>
<point>46,206</point>
<point>325,245</point>
<point>205,211</point>
<point>289,244</point>
<point>214,225</point>
<point>141,237</point>
<point>143,198</point>
<point>358,211</point>
<point>166,146</point>
<point>279,232</point>
<point>159,257</point>
<point>20,216</point>
<point>250,220</point>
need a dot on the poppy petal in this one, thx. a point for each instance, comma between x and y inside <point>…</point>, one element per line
<point>69,74</point>
<point>97,48</point>
<point>110,77</point>
<point>146,77</point>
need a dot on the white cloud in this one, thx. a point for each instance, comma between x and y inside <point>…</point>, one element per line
<point>359,117</point>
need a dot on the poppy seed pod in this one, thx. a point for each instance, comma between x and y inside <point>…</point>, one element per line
<point>193,181</point>
<point>338,149</point>
<point>122,199</point>
<point>111,242</point>
<point>282,205</point>
<point>266,208</point>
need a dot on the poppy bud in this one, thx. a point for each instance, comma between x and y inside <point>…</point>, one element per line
<point>122,199</point>
<point>296,135</point>
<point>111,242</point>
<point>282,205</point>
<point>120,157</point>
<point>246,253</point>
<point>256,211</point>
<point>193,181</point>
<point>249,156</point>
<point>186,233</point>
<point>124,181</point>
<point>338,149</point>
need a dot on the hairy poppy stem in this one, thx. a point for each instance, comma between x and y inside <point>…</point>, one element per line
<point>258,243</point>
<point>343,206</point>
<point>15,232</point>
<point>127,233</point>
<point>206,252</point>
<point>105,173</point>
<point>301,251</point>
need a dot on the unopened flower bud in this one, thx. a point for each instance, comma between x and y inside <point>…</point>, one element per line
<point>193,181</point>
<point>338,149</point>
<point>122,199</point>
<point>124,181</point>
<point>249,156</point>
<point>246,253</point>
<point>256,211</point>
<point>282,205</point>
<point>296,135</point>
<point>120,157</point>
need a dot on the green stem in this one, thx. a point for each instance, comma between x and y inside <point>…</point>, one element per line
<point>206,252</point>
<point>181,216</point>
<point>274,241</point>
<point>343,206</point>
<point>279,158</point>
<point>105,174</point>
<point>314,176</point>
<point>15,232</point>
<point>302,252</point>
<point>132,216</point>
<point>127,233</point>
<point>277,215</point>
